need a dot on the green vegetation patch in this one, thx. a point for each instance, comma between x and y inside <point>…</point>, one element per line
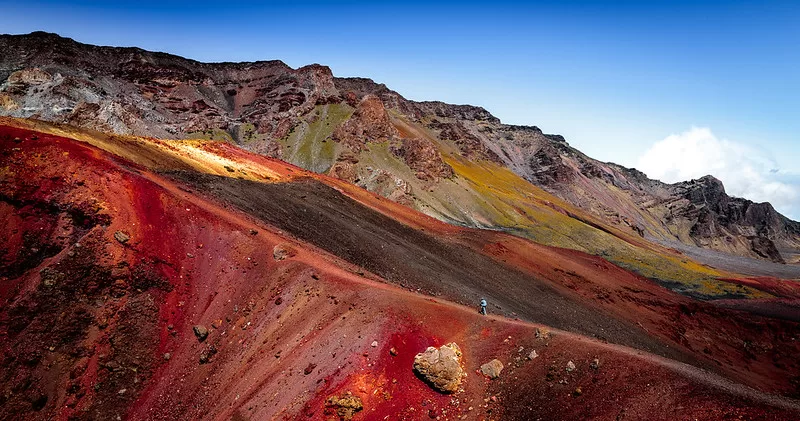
<point>309,145</point>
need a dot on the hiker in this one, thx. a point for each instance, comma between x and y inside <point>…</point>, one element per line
<point>483,306</point>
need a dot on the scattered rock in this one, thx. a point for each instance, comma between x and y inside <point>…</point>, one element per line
<point>122,237</point>
<point>570,366</point>
<point>374,344</point>
<point>51,276</point>
<point>542,333</point>
<point>207,353</point>
<point>345,406</point>
<point>282,252</point>
<point>441,368</point>
<point>595,364</point>
<point>577,392</point>
<point>533,355</point>
<point>278,301</point>
<point>113,366</point>
<point>393,351</point>
<point>201,332</point>
<point>253,232</point>
<point>492,369</point>
<point>309,369</point>
<point>167,356</point>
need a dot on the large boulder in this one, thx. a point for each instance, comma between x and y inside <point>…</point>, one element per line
<point>441,367</point>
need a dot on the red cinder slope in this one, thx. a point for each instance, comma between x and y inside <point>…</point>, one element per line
<point>755,346</point>
<point>107,267</point>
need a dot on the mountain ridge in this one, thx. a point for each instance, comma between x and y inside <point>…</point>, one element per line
<point>326,123</point>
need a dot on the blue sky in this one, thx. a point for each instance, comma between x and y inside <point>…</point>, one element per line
<point>617,79</point>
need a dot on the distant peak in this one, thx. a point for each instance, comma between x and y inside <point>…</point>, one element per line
<point>38,35</point>
<point>709,179</point>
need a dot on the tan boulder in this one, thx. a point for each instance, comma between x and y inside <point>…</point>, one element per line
<point>441,367</point>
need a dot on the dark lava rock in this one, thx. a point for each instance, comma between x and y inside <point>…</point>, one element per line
<point>207,353</point>
<point>201,332</point>
<point>121,237</point>
<point>764,247</point>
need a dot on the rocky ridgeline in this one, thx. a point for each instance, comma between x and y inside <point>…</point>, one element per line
<point>258,105</point>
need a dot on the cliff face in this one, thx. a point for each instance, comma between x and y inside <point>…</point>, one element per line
<point>365,133</point>
<point>132,91</point>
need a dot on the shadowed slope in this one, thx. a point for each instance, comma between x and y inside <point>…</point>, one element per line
<point>317,214</point>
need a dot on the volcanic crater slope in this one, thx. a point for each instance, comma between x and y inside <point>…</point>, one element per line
<point>149,279</point>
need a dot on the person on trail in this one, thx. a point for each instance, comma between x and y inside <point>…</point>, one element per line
<point>483,306</point>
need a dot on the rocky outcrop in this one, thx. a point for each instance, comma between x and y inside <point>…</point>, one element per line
<point>469,144</point>
<point>714,215</point>
<point>440,367</point>
<point>370,123</point>
<point>132,91</point>
<point>423,157</point>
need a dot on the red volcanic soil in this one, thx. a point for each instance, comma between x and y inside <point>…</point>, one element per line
<point>754,342</point>
<point>95,324</point>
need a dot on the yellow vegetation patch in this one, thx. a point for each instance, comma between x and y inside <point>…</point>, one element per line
<point>528,211</point>
<point>161,155</point>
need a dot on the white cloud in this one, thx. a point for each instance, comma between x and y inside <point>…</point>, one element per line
<point>745,171</point>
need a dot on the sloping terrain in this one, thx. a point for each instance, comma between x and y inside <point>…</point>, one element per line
<point>119,246</point>
<point>456,163</point>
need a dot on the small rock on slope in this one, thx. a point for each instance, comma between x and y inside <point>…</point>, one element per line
<point>570,366</point>
<point>122,237</point>
<point>345,406</point>
<point>282,252</point>
<point>492,369</point>
<point>201,332</point>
